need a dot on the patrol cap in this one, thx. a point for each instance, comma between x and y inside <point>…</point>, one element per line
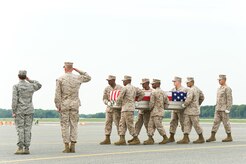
<point>222,77</point>
<point>144,80</point>
<point>126,77</point>
<point>111,77</point>
<point>156,81</point>
<point>68,65</point>
<point>176,78</point>
<point>22,72</point>
<point>189,79</point>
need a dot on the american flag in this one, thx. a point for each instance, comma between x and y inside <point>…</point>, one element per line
<point>114,95</point>
<point>147,94</point>
<point>176,96</point>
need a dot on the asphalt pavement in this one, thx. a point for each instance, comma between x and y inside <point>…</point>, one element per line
<point>46,147</point>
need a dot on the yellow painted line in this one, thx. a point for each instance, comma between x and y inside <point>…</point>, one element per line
<point>121,153</point>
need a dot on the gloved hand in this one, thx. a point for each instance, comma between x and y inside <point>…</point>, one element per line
<point>227,111</point>
<point>110,103</point>
<point>183,105</point>
<point>105,102</point>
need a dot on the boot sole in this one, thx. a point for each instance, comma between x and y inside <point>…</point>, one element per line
<point>120,144</point>
<point>198,142</point>
<point>148,143</point>
<point>227,141</point>
<point>134,143</point>
<point>183,143</point>
<point>105,143</point>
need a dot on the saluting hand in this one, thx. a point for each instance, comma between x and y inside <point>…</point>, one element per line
<point>75,69</point>
<point>58,110</point>
<point>27,79</point>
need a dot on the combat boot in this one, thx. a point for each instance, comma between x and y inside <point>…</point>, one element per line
<point>19,150</point>
<point>26,150</point>
<point>130,140</point>
<point>66,150</point>
<point>122,141</point>
<point>165,140</point>
<point>199,140</point>
<point>228,138</point>
<point>72,147</point>
<point>185,139</point>
<point>212,137</point>
<point>171,138</point>
<point>135,141</point>
<point>149,141</point>
<point>106,141</point>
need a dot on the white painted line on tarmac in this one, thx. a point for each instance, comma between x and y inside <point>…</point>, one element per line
<point>121,153</point>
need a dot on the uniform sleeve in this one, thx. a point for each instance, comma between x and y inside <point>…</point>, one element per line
<point>122,94</point>
<point>140,94</point>
<point>189,98</point>
<point>201,97</point>
<point>58,93</point>
<point>228,99</point>
<point>166,102</point>
<point>14,99</point>
<point>105,96</point>
<point>152,101</point>
<point>84,77</point>
<point>36,84</point>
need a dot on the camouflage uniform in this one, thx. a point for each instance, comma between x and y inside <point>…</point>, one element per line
<point>67,100</point>
<point>192,103</point>
<point>22,106</point>
<point>224,102</point>
<point>177,115</point>
<point>112,115</point>
<point>127,99</point>
<point>143,118</point>
<point>158,101</point>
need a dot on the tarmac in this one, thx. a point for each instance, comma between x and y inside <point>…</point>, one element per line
<point>46,147</point>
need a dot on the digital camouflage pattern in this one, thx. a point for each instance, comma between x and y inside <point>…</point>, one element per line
<point>22,96</point>
<point>158,101</point>
<point>67,100</point>
<point>22,106</point>
<point>224,98</point>
<point>143,115</point>
<point>127,97</point>
<point>127,100</point>
<point>224,102</point>
<point>194,99</point>
<point>112,115</point>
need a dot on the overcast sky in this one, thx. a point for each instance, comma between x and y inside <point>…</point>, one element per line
<point>142,38</point>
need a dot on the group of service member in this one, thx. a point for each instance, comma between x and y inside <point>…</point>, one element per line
<point>66,100</point>
<point>67,103</point>
<point>188,117</point>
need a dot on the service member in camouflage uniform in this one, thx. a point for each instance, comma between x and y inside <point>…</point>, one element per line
<point>192,104</point>
<point>22,110</point>
<point>222,110</point>
<point>67,102</point>
<point>158,102</point>
<point>112,115</point>
<point>127,100</point>
<point>177,116</point>
<point>143,115</point>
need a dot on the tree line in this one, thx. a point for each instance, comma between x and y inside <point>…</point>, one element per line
<point>237,111</point>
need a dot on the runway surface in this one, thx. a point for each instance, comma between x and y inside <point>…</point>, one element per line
<point>47,146</point>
